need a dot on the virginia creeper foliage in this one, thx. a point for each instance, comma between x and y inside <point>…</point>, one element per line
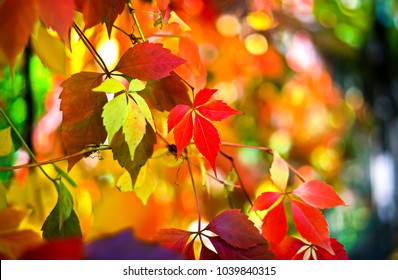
<point>154,90</point>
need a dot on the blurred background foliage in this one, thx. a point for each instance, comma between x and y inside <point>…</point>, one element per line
<point>316,80</point>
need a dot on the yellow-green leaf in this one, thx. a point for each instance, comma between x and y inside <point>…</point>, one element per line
<point>145,109</point>
<point>124,183</point>
<point>5,141</point>
<point>115,114</point>
<point>3,197</point>
<point>136,85</point>
<point>110,85</point>
<point>134,127</point>
<point>279,172</point>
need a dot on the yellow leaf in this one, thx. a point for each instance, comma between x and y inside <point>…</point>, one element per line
<point>5,141</point>
<point>279,172</point>
<point>144,109</point>
<point>176,19</point>
<point>111,86</point>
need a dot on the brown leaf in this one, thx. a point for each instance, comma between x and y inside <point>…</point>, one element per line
<point>82,109</point>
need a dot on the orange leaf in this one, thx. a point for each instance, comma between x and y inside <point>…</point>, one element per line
<point>311,224</point>
<point>318,194</point>
<point>82,113</point>
<point>183,133</point>
<point>17,20</point>
<point>58,15</point>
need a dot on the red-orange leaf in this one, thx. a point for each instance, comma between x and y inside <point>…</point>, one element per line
<point>183,133</point>
<point>236,229</point>
<point>206,139</point>
<point>265,200</point>
<point>58,15</point>
<point>172,238</point>
<point>17,20</point>
<point>203,96</point>
<point>100,11</point>
<point>288,248</point>
<point>148,61</point>
<point>318,194</point>
<point>275,224</point>
<point>82,110</point>
<point>311,224</point>
<point>176,115</point>
<point>338,249</point>
<point>228,252</point>
<point>217,110</point>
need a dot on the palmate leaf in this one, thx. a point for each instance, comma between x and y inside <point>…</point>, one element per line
<point>318,194</point>
<point>148,61</point>
<point>82,113</point>
<point>175,239</point>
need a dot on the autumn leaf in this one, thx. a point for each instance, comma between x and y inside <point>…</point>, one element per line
<point>236,229</point>
<point>279,172</point>
<point>17,20</point>
<point>275,224</point>
<point>265,200</point>
<point>311,224</point>
<point>57,249</point>
<point>5,141</point>
<point>110,85</point>
<point>205,135</point>
<point>58,15</point>
<point>207,254</point>
<point>175,239</point>
<point>148,61</point>
<point>318,194</point>
<point>82,113</point>
<point>100,11</point>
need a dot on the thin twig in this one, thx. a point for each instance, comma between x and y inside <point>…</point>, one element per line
<point>194,189</point>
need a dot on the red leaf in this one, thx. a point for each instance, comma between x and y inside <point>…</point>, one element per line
<point>217,110</point>
<point>100,11</point>
<point>228,252</point>
<point>288,248</point>
<point>275,224</point>
<point>172,238</point>
<point>17,20</point>
<point>176,115</point>
<point>189,250</point>
<point>82,110</point>
<point>206,139</point>
<point>148,61</point>
<point>207,254</point>
<point>265,200</point>
<point>58,15</point>
<point>311,224</point>
<point>318,194</point>
<point>63,249</point>
<point>236,229</point>
<point>183,133</point>
<point>338,249</point>
<point>203,96</point>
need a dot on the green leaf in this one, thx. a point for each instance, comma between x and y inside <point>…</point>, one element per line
<point>134,127</point>
<point>5,141</point>
<point>65,175</point>
<point>115,114</point>
<point>110,85</point>
<point>144,109</point>
<point>279,172</point>
<point>62,221</point>
<point>136,85</point>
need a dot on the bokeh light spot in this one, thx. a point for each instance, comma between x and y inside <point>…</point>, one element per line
<point>109,51</point>
<point>256,44</point>
<point>228,25</point>
<point>327,18</point>
<point>259,20</point>
<point>281,141</point>
<point>18,110</point>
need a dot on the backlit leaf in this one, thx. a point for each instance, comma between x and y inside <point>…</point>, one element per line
<point>229,252</point>
<point>17,21</point>
<point>82,113</point>
<point>207,254</point>
<point>338,249</point>
<point>148,61</point>
<point>265,200</point>
<point>144,109</point>
<point>275,224</point>
<point>176,115</point>
<point>318,194</point>
<point>58,15</point>
<point>172,238</point>
<point>236,229</point>
<point>110,85</point>
<point>206,139</point>
<point>100,11</point>
<point>217,110</point>
<point>203,96</point>
<point>115,114</point>
<point>279,171</point>
<point>288,248</point>
<point>311,224</point>
<point>183,133</point>
<point>136,85</point>
<point>5,141</point>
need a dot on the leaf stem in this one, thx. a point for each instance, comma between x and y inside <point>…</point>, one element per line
<point>137,23</point>
<point>194,189</point>
<point>92,50</point>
